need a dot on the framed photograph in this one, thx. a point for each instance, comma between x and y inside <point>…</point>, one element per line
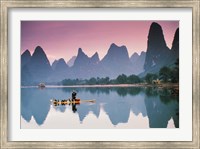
<point>100,74</point>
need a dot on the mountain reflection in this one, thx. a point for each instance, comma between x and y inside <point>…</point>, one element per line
<point>161,106</point>
<point>34,102</point>
<point>118,102</point>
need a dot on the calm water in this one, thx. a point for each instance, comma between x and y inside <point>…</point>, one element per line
<point>115,107</point>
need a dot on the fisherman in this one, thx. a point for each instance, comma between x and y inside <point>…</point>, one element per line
<point>74,96</point>
<point>74,109</point>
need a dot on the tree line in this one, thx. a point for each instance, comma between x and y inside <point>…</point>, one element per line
<point>121,79</point>
<point>166,74</point>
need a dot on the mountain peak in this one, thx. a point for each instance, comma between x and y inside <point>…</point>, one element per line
<point>116,50</point>
<point>135,54</point>
<point>27,53</point>
<point>38,49</point>
<point>113,45</point>
<point>25,57</point>
<point>95,55</point>
<point>116,55</point>
<point>81,53</point>
<point>175,44</point>
<point>155,25</point>
<point>81,58</point>
<point>95,58</point>
<point>61,60</point>
<point>61,65</point>
<point>39,56</point>
<point>39,52</point>
<point>55,61</point>
<point>155,35</point>
<point>80,50</point>
<point>134,57</point>
<point>38,66</point>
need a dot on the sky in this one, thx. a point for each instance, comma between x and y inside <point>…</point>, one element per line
<point>62,39</point>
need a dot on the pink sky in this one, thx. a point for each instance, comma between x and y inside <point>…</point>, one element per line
<point>61,39</point>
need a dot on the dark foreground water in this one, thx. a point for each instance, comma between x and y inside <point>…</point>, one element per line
<point>115,107</point>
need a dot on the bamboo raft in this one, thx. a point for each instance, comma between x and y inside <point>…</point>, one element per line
<point>69,101</point>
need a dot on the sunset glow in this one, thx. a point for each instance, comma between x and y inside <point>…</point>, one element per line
<point>61,39</point>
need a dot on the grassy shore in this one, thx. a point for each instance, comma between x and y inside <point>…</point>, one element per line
<point>162,85</point>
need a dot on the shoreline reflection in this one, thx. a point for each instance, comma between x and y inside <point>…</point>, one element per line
<point>158,105</point>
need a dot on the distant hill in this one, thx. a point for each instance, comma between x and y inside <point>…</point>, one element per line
<point>70,63</point>
<point>60,70</point>
<point>37,69</point>
<point>138,62</point>
<point>84,66</point>
<point>116,61</point>
<point>25,58</point>
<point>54,64</point>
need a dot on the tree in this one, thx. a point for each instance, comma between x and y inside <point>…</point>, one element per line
<point>133,79</point>
<point>121,79</point>
<point>92,81</point>
<point>150,77</point>
<point>175,72</point>
<point>165,73</point>
<point>106,80</point>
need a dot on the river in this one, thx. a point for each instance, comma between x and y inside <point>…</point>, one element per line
<point>115,108</point>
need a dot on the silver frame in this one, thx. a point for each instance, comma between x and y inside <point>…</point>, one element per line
<point>6,4</point>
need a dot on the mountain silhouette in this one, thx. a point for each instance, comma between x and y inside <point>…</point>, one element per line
<point>175,46</point>
<point>54,64</point>
<point>116,54</point>
<point>38,68</point>
<point>70,63</point>
<point>26,77</point>
<point>60,65</point>
<point>25,57</point>
<point>95,59</point>
<point>60,70</point>
<point>81,60</point>
<point>84,66</point>
<point>138,62</point>
<point>134,57</point>
<point>116,62</point>
<point>158,53</point>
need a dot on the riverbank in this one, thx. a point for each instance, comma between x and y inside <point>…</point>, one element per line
<point>163,85</point>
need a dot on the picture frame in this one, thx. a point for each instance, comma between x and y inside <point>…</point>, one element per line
<point>5,5</point>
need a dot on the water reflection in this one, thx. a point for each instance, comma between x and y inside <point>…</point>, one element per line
<point>56,103</point>
<point>161,106</point>
<point>158,105</point>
